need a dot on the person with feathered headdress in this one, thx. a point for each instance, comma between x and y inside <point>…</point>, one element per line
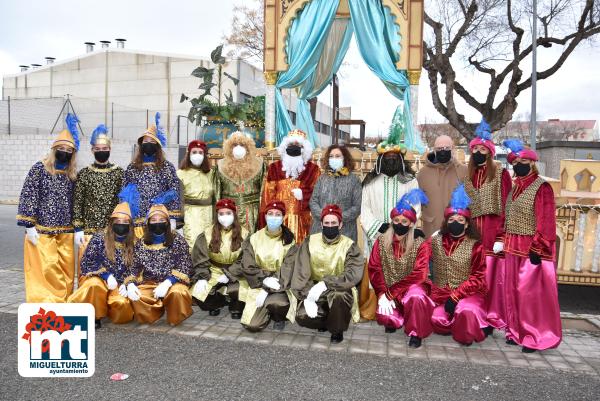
<point>458,285</point>
<point>291,180</point>
<point>162,268</point>
<point>96,190</point>
<point>531,298</point>
<point>398,268</point>
<point>46,212</point>
<point>153,174</point>
<point>488,184</point>
<point>240,176</point>
<point>108,262</point>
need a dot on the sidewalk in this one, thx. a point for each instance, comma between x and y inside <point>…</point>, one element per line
<point>579,352</point>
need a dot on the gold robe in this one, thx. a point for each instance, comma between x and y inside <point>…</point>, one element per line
<point>198,199</point>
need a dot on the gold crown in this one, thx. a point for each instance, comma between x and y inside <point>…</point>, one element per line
<point>150,133</point>
<point>122,209</point>
<point>384,147</point>
<point>155,209</point>
<point>297,133</point>
<point>64,138</point>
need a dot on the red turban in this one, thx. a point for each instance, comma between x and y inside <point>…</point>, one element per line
<point>275,204</point>
<point>332,209</point>
<point>196,144</point>
<point>449,211</point>
<point>408,213</point>
<point>226,203</point>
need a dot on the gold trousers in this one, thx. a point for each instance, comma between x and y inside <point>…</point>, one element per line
<point>93,290</point>
<point>49,268</point>
<point>177,303</point>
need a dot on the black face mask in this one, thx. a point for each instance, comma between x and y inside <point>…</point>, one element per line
<point>102,156</point>
<point>62,156</point>
<point>479,158</point>
<point>456,228</point>
<point>158,228</point>
<point>443,156</point>
<point>331,232</point>
<point>400,229</point>
<point>391,166</point>
<point>293,150</point>
<point>121,229</point>
<point>521,170</point>
<point>149,148</point>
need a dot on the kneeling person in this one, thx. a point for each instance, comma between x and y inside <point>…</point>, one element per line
<point>326,271</point>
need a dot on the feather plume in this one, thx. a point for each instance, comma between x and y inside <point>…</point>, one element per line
<point>483,130</point>
<point>515,145</point>
<point>411,199</point>
<point>159,130</point>
<point>72,121</point>
<point>165,198</point>
<point>131,195</point>
<point>460,199</point>
<point>100,130</point>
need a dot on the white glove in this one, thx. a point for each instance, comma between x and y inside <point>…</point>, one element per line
<point>260,299</point>
<point>297,192</point>
<point>32,235</point>
<point>161,290</point>
<point>111,282</point>
<point>272,283</point>
<point>173,224</point>
<point>223,279</point>
<point>386,306</point>
<point>498,247</point>
<point>315,292</point>
<point>79,238</point>
<point>123,290</point>
<point>200,286</point>
<point>133,292</point>
<point>311,308</point>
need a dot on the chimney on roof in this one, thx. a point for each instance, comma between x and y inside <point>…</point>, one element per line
<point>24,67</point>
<point>36,65</point>
<point>50,60</point>
<point>105,44</point>
<point>120,43</point>
<point>89,47</point>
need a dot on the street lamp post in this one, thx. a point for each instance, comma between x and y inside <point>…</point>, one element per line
<point>533,122</point>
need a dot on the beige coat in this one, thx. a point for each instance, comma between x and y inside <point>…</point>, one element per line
<point>438,181</point>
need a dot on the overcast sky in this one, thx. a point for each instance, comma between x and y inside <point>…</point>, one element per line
<point>32,30</point>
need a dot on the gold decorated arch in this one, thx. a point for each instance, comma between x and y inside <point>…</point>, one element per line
<point>279,14</point>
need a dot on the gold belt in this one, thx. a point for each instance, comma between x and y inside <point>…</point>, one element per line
<point>221,265</point>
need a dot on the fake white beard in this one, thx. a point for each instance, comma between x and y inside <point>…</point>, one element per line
<point>292,165</point>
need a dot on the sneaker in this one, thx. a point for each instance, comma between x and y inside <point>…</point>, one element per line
<point>278,326</point>
<point>527,350</point>
<point>511,342</point>
<point>488,331</point>
<point>414,342</point>
<point>214,312</point>
<point>236,315</point>
<point>390,330</point>
<point>337,338</point>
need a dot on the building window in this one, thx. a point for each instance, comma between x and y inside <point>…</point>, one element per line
<point>244,97</point>
<point>292,116</point>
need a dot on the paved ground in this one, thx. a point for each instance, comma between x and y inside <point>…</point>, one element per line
<point>213,357</point>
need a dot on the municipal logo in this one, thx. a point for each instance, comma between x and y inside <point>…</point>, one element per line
<point>56,340</point>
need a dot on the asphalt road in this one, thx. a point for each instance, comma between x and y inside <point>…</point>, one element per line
<point>169,366</point>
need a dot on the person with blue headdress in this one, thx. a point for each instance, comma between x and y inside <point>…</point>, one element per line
<point>45,211</point>
<point>96,190</point>
<point>398,268</point>
<point>162,267</point>
<point>107,263</point>
<point>531,293</point>
<point>458,285</point>
<point>488,185</point>
<point>153,175</point>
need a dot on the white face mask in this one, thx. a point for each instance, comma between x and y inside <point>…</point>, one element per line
<point>197,159</point>
<point>239,152</point>
<point>226,220</point>
<point>336,163</point>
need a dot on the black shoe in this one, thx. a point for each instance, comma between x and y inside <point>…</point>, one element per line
<point>214,312</point>
<point>279,325</point>
<point>467,344</point>
<point>98,324</point>
<point>390,330</point>
<point>321,330</point>
<point>414,342</point>
<point>526,350</point>
<point>337,338</point>
<point>511,342</point>
<point>236,315</point>
<point>488,331</point>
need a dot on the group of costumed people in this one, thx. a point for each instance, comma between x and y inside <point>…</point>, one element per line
<point>279,242</point>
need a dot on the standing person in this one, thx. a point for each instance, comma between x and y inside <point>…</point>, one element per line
<point>198,181</point>
<point>439,176</point>
<point>240,176</point>
<point>215,250</point>
<point>337,186</point>
<point>487,185</point>
<point>531,294</point>
<point>458,270</point>
<point>163,261</point>
<point>291,180</point>
<point>153,175</point>
<point>107,263</point>
<point>46,212</point>
<point>266,264</point>
<point>327,269</point>
<point>398,268</point>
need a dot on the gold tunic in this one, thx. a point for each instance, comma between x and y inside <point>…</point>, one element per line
<point>488,198</point>
<point>198,194</point>
<point>520,213</point>
<point>394,270</point>
<point>269,251</point>
<point>327,259</point>
<point>451,270</point>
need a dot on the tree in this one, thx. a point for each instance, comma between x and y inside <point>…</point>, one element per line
<point>246,37</point>
<point>492,38</point>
